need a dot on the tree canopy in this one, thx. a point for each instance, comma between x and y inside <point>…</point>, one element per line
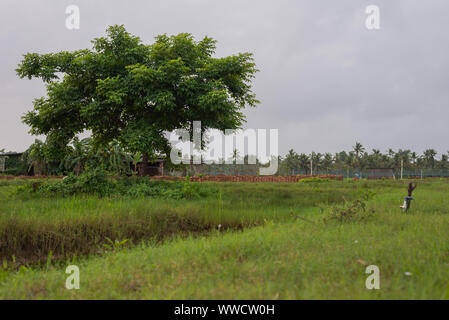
<point>125,90</point>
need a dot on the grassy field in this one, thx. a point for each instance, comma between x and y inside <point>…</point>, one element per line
<point>246,241</point>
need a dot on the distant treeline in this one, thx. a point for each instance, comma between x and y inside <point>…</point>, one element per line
<point>81,155</point>
<point>359,160</point>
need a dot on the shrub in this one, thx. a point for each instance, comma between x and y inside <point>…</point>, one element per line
<point>95,182</point>
<point>90,182</point>
<point>355,210</point>
<point>141,190</point>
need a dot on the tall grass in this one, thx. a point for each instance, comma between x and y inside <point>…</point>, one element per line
<point>31,228</point>
<point>282,259</point>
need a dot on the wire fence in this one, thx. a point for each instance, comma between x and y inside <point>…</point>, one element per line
<point>395,173</point>
<point>253,170</point>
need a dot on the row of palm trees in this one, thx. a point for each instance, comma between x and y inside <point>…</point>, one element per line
<point>360,159</point>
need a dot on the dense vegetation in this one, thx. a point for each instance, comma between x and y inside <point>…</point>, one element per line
<point>114,159</point>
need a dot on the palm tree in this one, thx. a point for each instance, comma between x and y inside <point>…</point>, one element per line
<point>136,158</point>
<point>235,157</point>
<point>327,161</point>
<point>291,161</point>
<point>36,157</point>
<point>429,156</point>
<point>304,161</point>
<point>391,153</point>
<point>340,159</point>
<point>375,158</point>
<point>358,149</point>
<point>443,164</point>
<point>414,158</point>
<point>78,156</point>
<point>364,160</point>
<point>118,159</point>
<point>420,162</point>
<point>316,161</point>
<point>402,157</point>
<point>350,161</point>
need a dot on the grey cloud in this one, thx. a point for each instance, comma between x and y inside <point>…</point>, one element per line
<point>324,81</point>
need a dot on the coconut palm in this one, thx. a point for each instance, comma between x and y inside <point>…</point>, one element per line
<point>443,163</point>
<point>358,149</point>
<point>429,157</point>
<point>374,160</point>
<point>304,162</point>
<point>291,161</point>
<point>316,161</point>
<point>327,162</point>
<point>413,158</point>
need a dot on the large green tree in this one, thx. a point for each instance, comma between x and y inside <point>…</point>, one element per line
<point>125,90</point>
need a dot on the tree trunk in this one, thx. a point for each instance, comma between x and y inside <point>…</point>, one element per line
<point>145,168</point>
<point>37,168</point>
<point>77,169</point>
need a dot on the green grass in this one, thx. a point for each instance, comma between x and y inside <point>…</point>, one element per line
<point>288,253</point>
<point>34,227</point>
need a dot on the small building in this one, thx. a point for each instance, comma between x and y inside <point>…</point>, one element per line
<point>8,159</point>
<point>156,167</point>
<point>381,173</point>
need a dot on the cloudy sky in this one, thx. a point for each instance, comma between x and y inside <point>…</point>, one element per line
<point>325,80</point>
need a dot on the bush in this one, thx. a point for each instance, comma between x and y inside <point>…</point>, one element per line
<point>95,182</point>
<point>350,210</point>
<point>90,182</point>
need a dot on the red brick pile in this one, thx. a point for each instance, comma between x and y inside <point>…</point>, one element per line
<point>218,178</point>
<point>28,177</point>
<point>226,178</point>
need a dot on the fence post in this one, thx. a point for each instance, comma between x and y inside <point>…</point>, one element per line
<point>311,165</point>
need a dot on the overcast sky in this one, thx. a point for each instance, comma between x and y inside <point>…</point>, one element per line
<point>325,80</point>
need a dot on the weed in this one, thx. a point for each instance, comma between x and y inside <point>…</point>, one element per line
<point>114,245</point>
<point>355,210</point>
